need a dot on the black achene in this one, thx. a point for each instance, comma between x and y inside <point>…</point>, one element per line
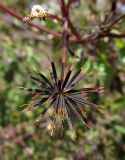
<point>62,94</point>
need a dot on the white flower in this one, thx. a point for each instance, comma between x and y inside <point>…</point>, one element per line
<point>38,12</point>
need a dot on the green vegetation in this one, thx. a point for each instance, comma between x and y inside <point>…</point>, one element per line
<point>23,47</point>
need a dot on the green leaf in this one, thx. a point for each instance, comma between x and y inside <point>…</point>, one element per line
<point>120,128</point>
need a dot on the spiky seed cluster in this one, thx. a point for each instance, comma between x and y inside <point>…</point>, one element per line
<point>62,95</point>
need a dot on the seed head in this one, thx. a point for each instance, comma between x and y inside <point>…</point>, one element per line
<point>62,95</point>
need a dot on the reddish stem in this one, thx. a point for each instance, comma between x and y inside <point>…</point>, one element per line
<point>42,29</point>
<point>72,39</point>
<point>95,37</point>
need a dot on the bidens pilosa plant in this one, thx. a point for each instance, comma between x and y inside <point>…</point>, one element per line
<point>61,93</point>
<point>36,12</point>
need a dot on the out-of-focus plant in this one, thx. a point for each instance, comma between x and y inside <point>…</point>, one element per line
<point>85,29</point>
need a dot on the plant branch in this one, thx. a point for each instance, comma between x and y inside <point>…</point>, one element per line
<point>97,36</point>
<point>65,12</point>
<point>73,29</point>
<point>72,39</point>
<point>42,29</point>
<point>63,8</point>
<point>109,25</point>
<point>58,18</point>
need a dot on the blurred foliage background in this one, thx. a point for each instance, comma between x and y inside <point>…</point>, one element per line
<point>22,48</point>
